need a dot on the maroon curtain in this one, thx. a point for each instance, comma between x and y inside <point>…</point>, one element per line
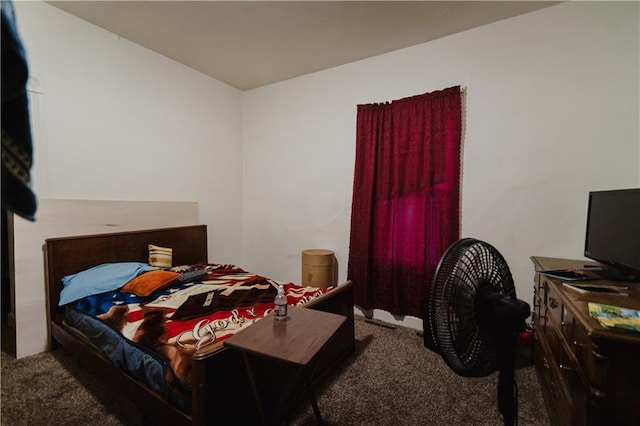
<point>406,198</point>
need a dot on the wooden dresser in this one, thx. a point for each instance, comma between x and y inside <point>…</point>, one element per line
<point>589,375</point>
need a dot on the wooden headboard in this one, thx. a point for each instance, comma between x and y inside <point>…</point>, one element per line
<point>69,255</point>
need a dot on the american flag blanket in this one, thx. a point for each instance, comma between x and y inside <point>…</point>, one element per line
<point>173,323</point>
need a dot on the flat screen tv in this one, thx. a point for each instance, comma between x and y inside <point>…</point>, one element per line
<point>613,233</point>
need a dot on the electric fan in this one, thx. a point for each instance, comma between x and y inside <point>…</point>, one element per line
<point>472,317</point>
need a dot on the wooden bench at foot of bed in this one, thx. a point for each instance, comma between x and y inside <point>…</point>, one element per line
<point>219,379</point>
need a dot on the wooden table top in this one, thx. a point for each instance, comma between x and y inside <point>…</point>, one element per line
<point>296,340</point>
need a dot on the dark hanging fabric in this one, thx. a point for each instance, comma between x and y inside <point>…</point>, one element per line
<point>17,151</point>
<point>406,198</point>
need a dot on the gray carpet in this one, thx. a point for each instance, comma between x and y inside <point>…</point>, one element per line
<point>391,380</point>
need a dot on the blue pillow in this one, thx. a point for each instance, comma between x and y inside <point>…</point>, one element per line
<point>100,279</point>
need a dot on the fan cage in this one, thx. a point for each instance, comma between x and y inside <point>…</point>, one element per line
<point>459,333</point>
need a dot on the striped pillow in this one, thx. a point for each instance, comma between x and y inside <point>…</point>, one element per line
<point>160,256</point>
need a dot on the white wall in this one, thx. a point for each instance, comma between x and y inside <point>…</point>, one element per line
<point>120,122</point>
<point>552,112</point>
<point>58,218</point>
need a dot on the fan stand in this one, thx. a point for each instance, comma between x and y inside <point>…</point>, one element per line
<point>507,390</point>
<point>507,398</point>
<point>506,316</point>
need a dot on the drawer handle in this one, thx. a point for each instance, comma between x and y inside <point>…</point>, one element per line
<point>564,367</point>
<point>597,393</point>
<point>578,347</point>
<point>553,303</point>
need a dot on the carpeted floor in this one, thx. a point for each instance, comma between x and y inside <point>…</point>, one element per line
<point>391,380</point>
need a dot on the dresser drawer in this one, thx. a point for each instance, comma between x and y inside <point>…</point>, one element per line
<point>553,391</point>
<point>554,341</point>
<point>589,357</point>
<point>558,313</point>
<point>540,303</point>
<point>567,330</point>
<point>554,303</point>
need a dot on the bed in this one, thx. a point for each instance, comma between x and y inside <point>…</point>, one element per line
<point>218,380</point>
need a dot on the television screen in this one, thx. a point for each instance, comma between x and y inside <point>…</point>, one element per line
<point>613,230</point>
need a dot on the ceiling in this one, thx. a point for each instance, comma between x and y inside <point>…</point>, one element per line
<point>248,44</point>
